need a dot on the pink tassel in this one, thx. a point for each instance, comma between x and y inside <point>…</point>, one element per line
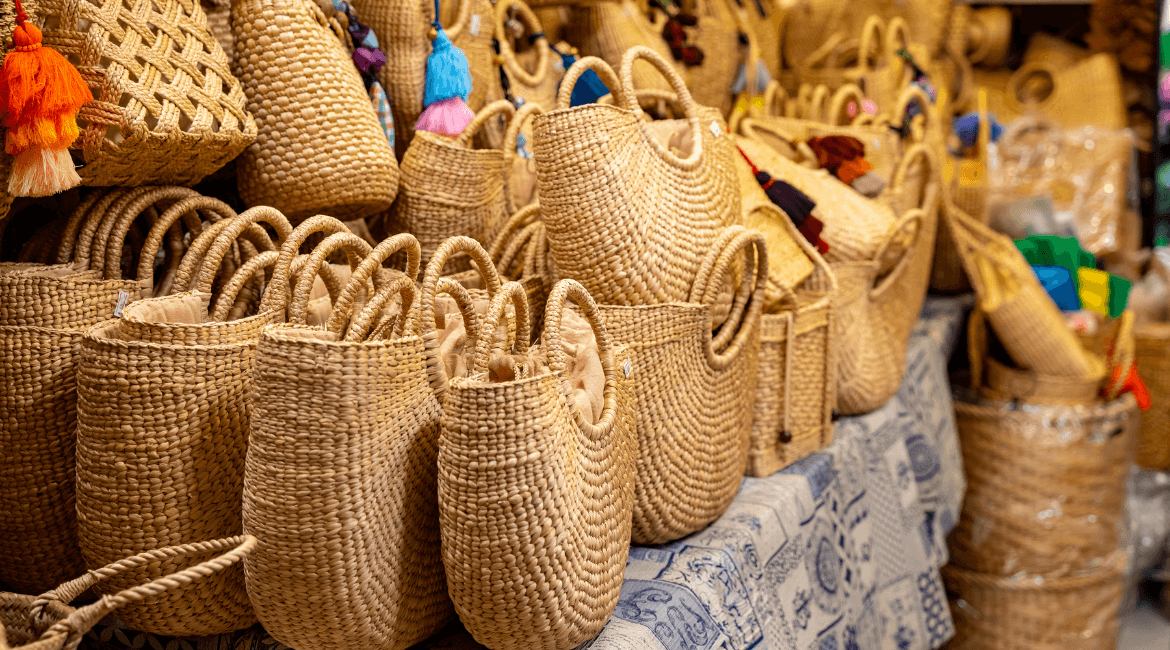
<point>446,117</point>
<point>42,172</point>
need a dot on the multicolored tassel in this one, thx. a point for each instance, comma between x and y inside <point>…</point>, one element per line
<point>447,86</point>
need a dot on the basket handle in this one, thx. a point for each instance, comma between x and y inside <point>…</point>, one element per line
<point>229,294</point>
<point>112,232</point>
<point>83,249</point>
<point>360,327</point>
<point>837,113</point>
<point>897,37</point>
<point>196,254</point>
<point>916,218</point>
<point>84,618</point>
<point>571,290</point>
<point>65,248</point>
<point>818,104</point>
<point>603,70</point>
<point>807,158</point>
<point>368,268</point>
<point>461,19</point>
<point>921,152</point>
<point>724,347</point>
<point>508,57</point>
<point>276,296</point>
<point>907,97</point>
<point>355,249</point>
<point>240,227</point>
<point>526,112</point>
<point>775,99</point>
<point>498,107</point>
<point>641,52</point>
<point>523,243</point>
<point>511,292</point>
<point>185,209</point>
<point>1026,71</point>
<point>510,238</point>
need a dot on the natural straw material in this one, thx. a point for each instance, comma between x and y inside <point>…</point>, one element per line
<point>1153,358</point>
<point>626,215</point>
<point>166,107</point>
<point>47,622</point>
<point>1077,612</point>
<point>320,149</point>
<point>535,551</point>
<point>1045,485</point>
<point>609,29</point>
<point>378,583</point>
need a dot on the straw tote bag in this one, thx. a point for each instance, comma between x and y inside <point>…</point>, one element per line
<point>533,76</point>
<point>845,57</point>
<point>44,310</point>
<point>569,501</point>
<point>321,148</point>
<point>812,23</point>
<point>402,27</point>
<point>47,622</point>
<point>201,454</point>
<point>344,559</point>
<point>450,188</point>
<point>1024,317</point>
<point>166,107</point>
<point>609,29</point>
<point>717,35</point>
<point>1097,77</point>
<point>694,392</point>
<point>641,235</point>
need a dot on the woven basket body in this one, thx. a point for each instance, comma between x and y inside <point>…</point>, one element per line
<point>639,235</point>
<point>402,28</point>
<point>609,29</point>
<point>1077,612</point>
<point>320,149</point>
<point>694,396</point>
<point>1045,486</point>
<point>812,22</point>
<point>1153,358</point>
<point>344,559</point>
<point>167,108</point>
<point>717,35</point>
<point>568,502</point>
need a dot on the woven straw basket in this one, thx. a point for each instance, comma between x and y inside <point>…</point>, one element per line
<point>1045,485</point>
<point>823,63</point>
<point>717,35</point>
<point>47,622</point>
<point>167,108</point>
<point>812,23</point>
<point>1098,76</point>
<point>1153,358</point>
<point>532,77</point>
<point>1077,612</point>
<point>402,28</point>
<point>640,236</point>
<point>199,451</point>
<point>379,584</point>
<point>43,312</point>
<point>609,29</point>
<point>569,501</point>
<point>321,149</point>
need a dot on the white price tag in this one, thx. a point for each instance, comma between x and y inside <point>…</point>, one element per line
<point>123,298</point>
<point>474,26</point>
<point>627,368</point>
<point>715,130</point>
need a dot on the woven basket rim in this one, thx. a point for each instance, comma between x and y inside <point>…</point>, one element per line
<point>93,336</point>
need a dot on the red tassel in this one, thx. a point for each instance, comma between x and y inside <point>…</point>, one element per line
<point>40,94</point>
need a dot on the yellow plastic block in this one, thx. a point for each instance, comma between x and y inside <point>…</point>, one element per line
<point>1094,289</point>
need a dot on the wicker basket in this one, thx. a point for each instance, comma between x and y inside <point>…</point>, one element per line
<point>639,235</point>
<point>321,148</point>
<point>47,622</point>
<point>167,108</point>
<point>609,29</point>
<point>1076,612</point>
<point>1045,485</point>
<point>717,35</point>
<point>1153,358</point>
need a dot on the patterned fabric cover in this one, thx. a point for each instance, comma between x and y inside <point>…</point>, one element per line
<point>840,551</point>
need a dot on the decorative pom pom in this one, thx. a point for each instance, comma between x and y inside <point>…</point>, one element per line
<point>447,117</point>
<point>448,74</point>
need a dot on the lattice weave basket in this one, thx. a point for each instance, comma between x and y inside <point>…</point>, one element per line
<point>166,107</point>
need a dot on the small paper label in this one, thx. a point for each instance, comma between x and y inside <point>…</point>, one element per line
<point>123,298</point>
<point>474,26</point>
<point>627,368</point>
<point>715,130</point>
<point>558,64</point>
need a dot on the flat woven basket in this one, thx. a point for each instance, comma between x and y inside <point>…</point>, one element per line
<point>166,107</point>
<point>1045,485</point>
<point>1076,612</point>
<point>1153,358</point>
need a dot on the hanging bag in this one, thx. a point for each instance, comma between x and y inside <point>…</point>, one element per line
<point>640,234</point>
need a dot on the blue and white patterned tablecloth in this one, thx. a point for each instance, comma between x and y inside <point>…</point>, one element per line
<point>840,551</point>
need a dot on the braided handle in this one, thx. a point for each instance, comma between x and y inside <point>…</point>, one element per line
<point>231,290</point>
<point>775,99</point>
<point>82,253</point>
<point>603,70</point>
<point>745,311</point>
<point>185,209</point>
<point>277,294</point>
<point>511,135</point>
<point>916,152</point>
<point>235,228</point>
<point>528,17</point>
<point>629,92</point>
<point>65,248</point>
<point>913,221</point>
<point>111,236</point>
<point>359,328</point>
<point>343,306</point>
<point>498,107</point>
<point>511,292</point>
<point>355,249</point>
<point>838,114</point>
<point>502,247</point>
<point>571,290</point>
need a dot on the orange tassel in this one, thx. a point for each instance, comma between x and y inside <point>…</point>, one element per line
<point>40,94</point>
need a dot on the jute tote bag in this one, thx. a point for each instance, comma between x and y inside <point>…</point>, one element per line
<point>367,571</point>
<point>320,147</point>
<point>569,501</point>
<point>47,622</point>
<point>640,237</point>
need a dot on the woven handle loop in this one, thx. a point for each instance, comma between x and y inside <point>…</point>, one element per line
<point>188,210</point>
<point>196,257</point>
<point>913,222</point>
<point>897,38</point>
<point>104,209</point>
<point>923,153</point>
<point>529,19</point>
<point>362,326</point>
<point>745,311</point>
<point>84,618</point>
<point>462,19</point>
<point>110,239</point>
<point>603,70</point>
<point>235,229</point>
<point>803,155</point>
<point>355,249</point>
<point>368,269</point>
<point>775,100</point>
<point>66,247</point>
<point>571,290</point>
<point>229,294</point>
<point>837,114</point>
<point>101,236</point>
<point>512,292</point>
<point>641,52</point>
<point>277,295</point>
<point>1028,70</point>
<point>512,239</point>
<point>511,137</point>
<point>498,107</point>
<point>817,109</point>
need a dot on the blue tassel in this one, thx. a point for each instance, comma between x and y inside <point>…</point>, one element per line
<point>448,74</point>
<point>589,87</point>
<point>967,128</point>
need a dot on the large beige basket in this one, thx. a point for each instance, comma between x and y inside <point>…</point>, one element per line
<point>166,107</point>
<point>1153,359</point>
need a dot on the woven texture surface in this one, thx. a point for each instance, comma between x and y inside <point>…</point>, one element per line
<point>166,107</point>
<point>1153,358</point>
